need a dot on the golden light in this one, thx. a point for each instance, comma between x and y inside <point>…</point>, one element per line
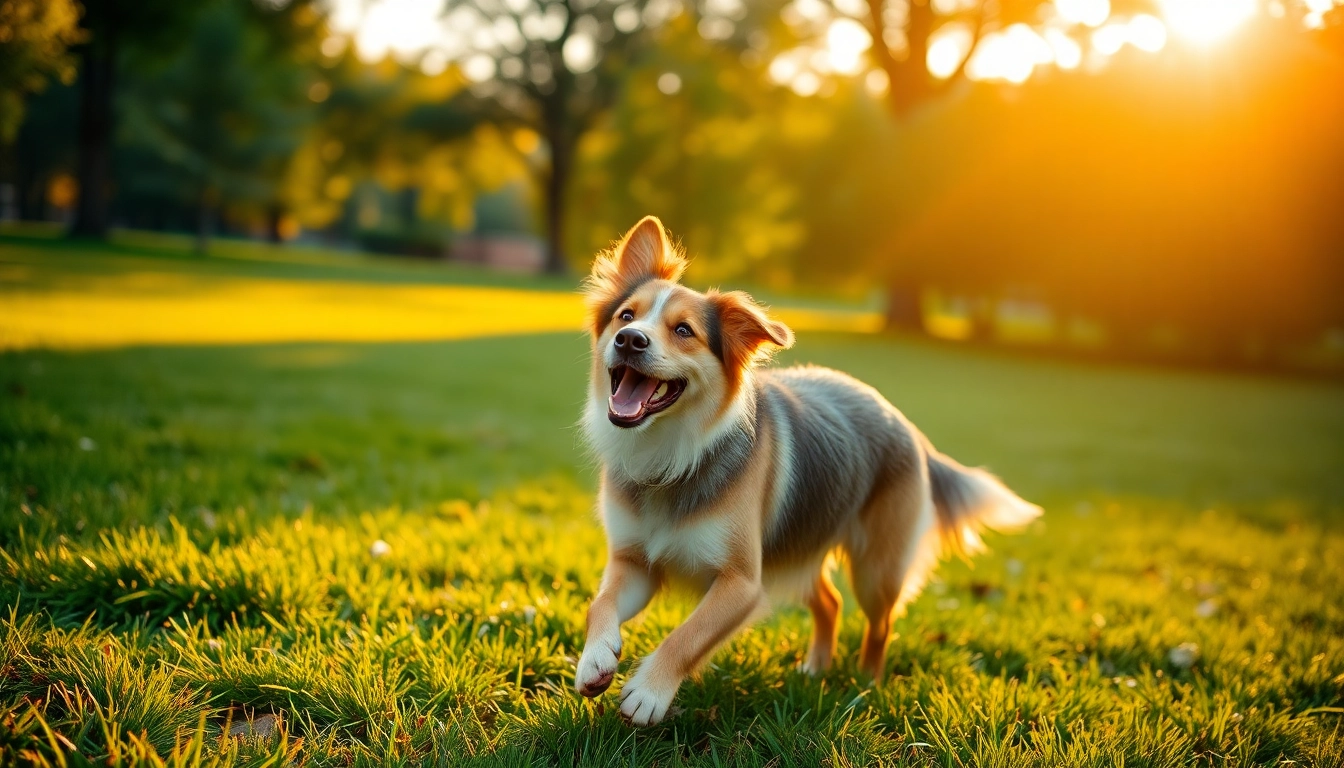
<point>784,67</point>
<point>402,28</point>
<point>1110,38</point>
<point>1205,21</point>
<point>877,82</point>
<point>1009,55</point>
<point>949,46</point>
<point>806,84</point>
<point>846,41</point>
<point>1068,53</point>
<point>1089,12</point>
<point>1147,33</point>
<point>1315,15</point>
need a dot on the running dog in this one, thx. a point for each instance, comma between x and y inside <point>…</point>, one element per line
<point>744,481</point>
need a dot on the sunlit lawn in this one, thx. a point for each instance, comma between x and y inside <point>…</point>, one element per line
<point>145,290</point>
<point>189,542</point>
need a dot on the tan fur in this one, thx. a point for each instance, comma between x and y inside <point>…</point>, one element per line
<point>746,333</point>
<point>824,603</point>
<point>708,489</point>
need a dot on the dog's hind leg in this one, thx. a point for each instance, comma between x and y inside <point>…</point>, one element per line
<point>877,594</point>
<point>824,602</point>
<point>889,560</point>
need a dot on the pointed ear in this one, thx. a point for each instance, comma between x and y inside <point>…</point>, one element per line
<point>645,253</point>
<point>745,330</point>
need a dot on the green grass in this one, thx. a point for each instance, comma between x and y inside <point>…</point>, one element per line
<point>187,537</point>
<point>130,249</point>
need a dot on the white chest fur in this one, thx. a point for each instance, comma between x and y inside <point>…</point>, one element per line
<point>691,547</point>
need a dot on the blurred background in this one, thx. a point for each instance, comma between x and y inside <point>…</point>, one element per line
<point>291,358</point>
<point>1160,179</point>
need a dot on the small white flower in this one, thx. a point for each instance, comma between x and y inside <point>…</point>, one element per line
<point>87,444</point>
<point>1131,683</point>
<point>529,614</point>
<point>214,644</point>
<point>380,548</point>
<point>1206,608</point>
<point>480,632</point>
<point>1184,655</point>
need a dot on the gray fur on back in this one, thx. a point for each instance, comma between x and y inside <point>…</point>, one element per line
<point>847,443</point>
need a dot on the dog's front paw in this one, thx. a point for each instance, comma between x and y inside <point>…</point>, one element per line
<point>814,666</point>
<point>644,702</point>
<point>597,667</point>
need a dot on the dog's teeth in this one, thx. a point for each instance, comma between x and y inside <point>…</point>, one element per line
<point>660,391</point>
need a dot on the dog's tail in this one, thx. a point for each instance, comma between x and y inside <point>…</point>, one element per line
<point>968,500</point>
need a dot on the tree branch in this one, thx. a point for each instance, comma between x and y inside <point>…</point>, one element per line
<point>977,31</point>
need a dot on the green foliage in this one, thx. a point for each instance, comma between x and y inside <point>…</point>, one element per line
<point>217,122</point>
<point>758,182</point>
<point>207,558</point>
<point>35,36</point>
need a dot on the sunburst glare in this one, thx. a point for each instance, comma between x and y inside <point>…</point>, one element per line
<point>1206,21</point>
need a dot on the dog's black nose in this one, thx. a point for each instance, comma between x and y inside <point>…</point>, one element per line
<point>631,340</point>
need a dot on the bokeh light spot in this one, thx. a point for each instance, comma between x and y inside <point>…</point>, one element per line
<point>1205,21</point>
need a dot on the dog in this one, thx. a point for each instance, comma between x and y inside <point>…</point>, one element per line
<point>745,481</point>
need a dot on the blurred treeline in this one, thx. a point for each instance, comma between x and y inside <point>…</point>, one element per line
<point>1187,202</point>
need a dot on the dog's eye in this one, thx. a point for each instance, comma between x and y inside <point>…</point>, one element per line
<point>627,315</point>
<point>684,331</point>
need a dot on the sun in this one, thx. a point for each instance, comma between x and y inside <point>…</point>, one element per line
<point>1206,21</point>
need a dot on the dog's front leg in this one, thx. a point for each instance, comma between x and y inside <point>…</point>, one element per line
<point>627,586</point>
<point>729,603</point>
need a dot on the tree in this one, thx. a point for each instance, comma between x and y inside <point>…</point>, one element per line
<point>759,183</point>
<point>35,36</point>
<point>926,50</point>
<point>44,148</point>
<point>128,36</point>
<point>395,125</point>
<point>1196,192</point>
<point>108,25</point>
<point>551,66</point>
<point>220,119</point>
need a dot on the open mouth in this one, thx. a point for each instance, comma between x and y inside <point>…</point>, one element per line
<point>635,396</point>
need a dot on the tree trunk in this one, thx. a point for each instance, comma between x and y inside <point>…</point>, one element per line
<point>275,215</point>
<point>556,183</point>
<point>908,80</point>
<point>904,312</point>
<point>204,222</point>
<point>28,200</point>
<point>97,70</point>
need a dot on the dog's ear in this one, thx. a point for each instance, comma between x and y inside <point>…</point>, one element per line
<point>645,253</point>
<point>745,330</point>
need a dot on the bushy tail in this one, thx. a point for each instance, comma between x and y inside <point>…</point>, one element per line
<point>968,500</point>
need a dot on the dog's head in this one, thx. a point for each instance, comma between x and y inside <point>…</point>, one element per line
<point>662,350</point>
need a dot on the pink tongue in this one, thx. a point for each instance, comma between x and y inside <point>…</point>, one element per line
<point>631,394</point>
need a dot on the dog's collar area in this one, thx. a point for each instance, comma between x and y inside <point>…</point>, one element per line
<point>720,465</point>
<point>635,396</point>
